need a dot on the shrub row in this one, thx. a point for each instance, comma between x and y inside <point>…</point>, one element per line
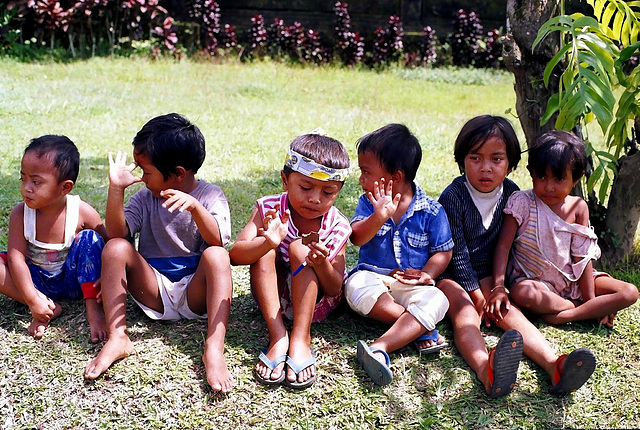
<point>99,27</point>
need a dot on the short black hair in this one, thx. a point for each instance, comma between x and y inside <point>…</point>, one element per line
<point>322,149</point>
<point>395,147</point>
<point>478,130</point>
<point>171,141</point>
<point>557,150</point>
<point>62,151</point>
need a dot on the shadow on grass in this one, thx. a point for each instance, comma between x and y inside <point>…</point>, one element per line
<point>434,390</point>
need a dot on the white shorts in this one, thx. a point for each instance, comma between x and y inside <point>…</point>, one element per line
<point>174,300</point>
<point>426,303</point>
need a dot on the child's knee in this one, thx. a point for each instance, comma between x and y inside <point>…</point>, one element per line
<point>429,307</point>
<point>216,256</point>
<point>116,248</point>
<point>265,265</point>
<point>630,293</point>
<point>522,293</point>
<point>362,291</point>
<point>297,252</point>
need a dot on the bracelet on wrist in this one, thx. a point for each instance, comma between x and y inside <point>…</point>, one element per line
<point>506,290</point>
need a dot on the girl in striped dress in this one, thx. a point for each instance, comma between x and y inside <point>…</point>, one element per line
<point>550,246</point>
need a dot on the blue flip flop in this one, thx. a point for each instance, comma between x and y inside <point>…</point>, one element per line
<point>578,368</point>
<point>271,365</point>
<point>379,372</point>
<point>506,360</point>
<point>434,337</point>
<point>297,368</point>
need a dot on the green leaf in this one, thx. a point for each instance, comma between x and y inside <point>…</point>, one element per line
<point>552,64</point>
<point>604,187</point>
<point>570,113</point>
<point>627,53</point>
<point>552,107</point>
<point>595,176</point>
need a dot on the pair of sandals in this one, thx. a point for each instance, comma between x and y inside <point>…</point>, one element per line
<point>379,372</point>
<point>297,368</point>
<point>578,367</point>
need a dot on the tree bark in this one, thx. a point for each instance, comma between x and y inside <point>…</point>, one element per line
<point>524,18</point>
<point>623,210</point>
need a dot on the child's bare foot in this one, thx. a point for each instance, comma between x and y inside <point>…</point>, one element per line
<point>115,349</point>
<point>37,327</point>
<point>218,375</point>
<point>275,353</point>
<point>426,342</point>
<point>607,321</point>
<point>97,322</point>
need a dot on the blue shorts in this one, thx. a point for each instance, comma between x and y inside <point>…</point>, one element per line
<point>78,274</point>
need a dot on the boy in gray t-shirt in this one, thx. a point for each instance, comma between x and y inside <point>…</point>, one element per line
<point>180,269</point>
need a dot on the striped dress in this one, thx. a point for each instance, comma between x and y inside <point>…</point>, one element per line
<point>546,247</point>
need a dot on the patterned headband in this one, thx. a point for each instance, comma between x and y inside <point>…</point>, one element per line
<point>305,165</point>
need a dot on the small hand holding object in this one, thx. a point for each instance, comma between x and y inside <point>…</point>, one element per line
<point>498,299</point>
<point>274,229</point>
<point>178,200</point>
<point>119,172</point>
<point>318,251</point>
<point>414,277</point>
<point>382,200</point>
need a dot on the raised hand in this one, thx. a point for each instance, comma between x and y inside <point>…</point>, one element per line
<point>384,203</point>
<point>119,172</point>
<point>274,229</point>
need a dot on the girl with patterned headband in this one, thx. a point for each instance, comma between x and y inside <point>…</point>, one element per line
<point>297,228</point>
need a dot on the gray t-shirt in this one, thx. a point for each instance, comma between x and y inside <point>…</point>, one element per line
<point>170,241</point>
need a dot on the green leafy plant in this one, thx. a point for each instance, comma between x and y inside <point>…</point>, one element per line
<point>595,83</point>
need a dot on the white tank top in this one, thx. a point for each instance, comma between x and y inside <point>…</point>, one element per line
<point>51,256</point>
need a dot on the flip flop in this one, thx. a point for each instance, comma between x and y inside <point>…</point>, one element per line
<point>271,365</point>
<point>578,368</point>
<point>379,372</point>
<point>434,337</point>
<point>297,368</point>
<point>506,359</point>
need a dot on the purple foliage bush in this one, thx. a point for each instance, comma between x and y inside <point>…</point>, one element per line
<point>428,52</point>
<point>387,43</point>
<point>349,45</point>
<point>465,40</point>
<point>116,24</point>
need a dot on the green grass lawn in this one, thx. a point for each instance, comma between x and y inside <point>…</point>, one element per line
<point>249,113</point>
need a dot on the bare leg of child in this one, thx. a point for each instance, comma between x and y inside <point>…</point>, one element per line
<point>264,283</point>
<point>122,266</point>
<point>37,327</point>
<point>612,295</point>
<point>466,330</point>
<point>304,292</point>
<point>97,321</point>
<point>404,326</point>
<point>210,291</point>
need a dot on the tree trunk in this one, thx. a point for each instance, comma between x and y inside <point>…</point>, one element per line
<point>623,211</point>
<point>524,18</point>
